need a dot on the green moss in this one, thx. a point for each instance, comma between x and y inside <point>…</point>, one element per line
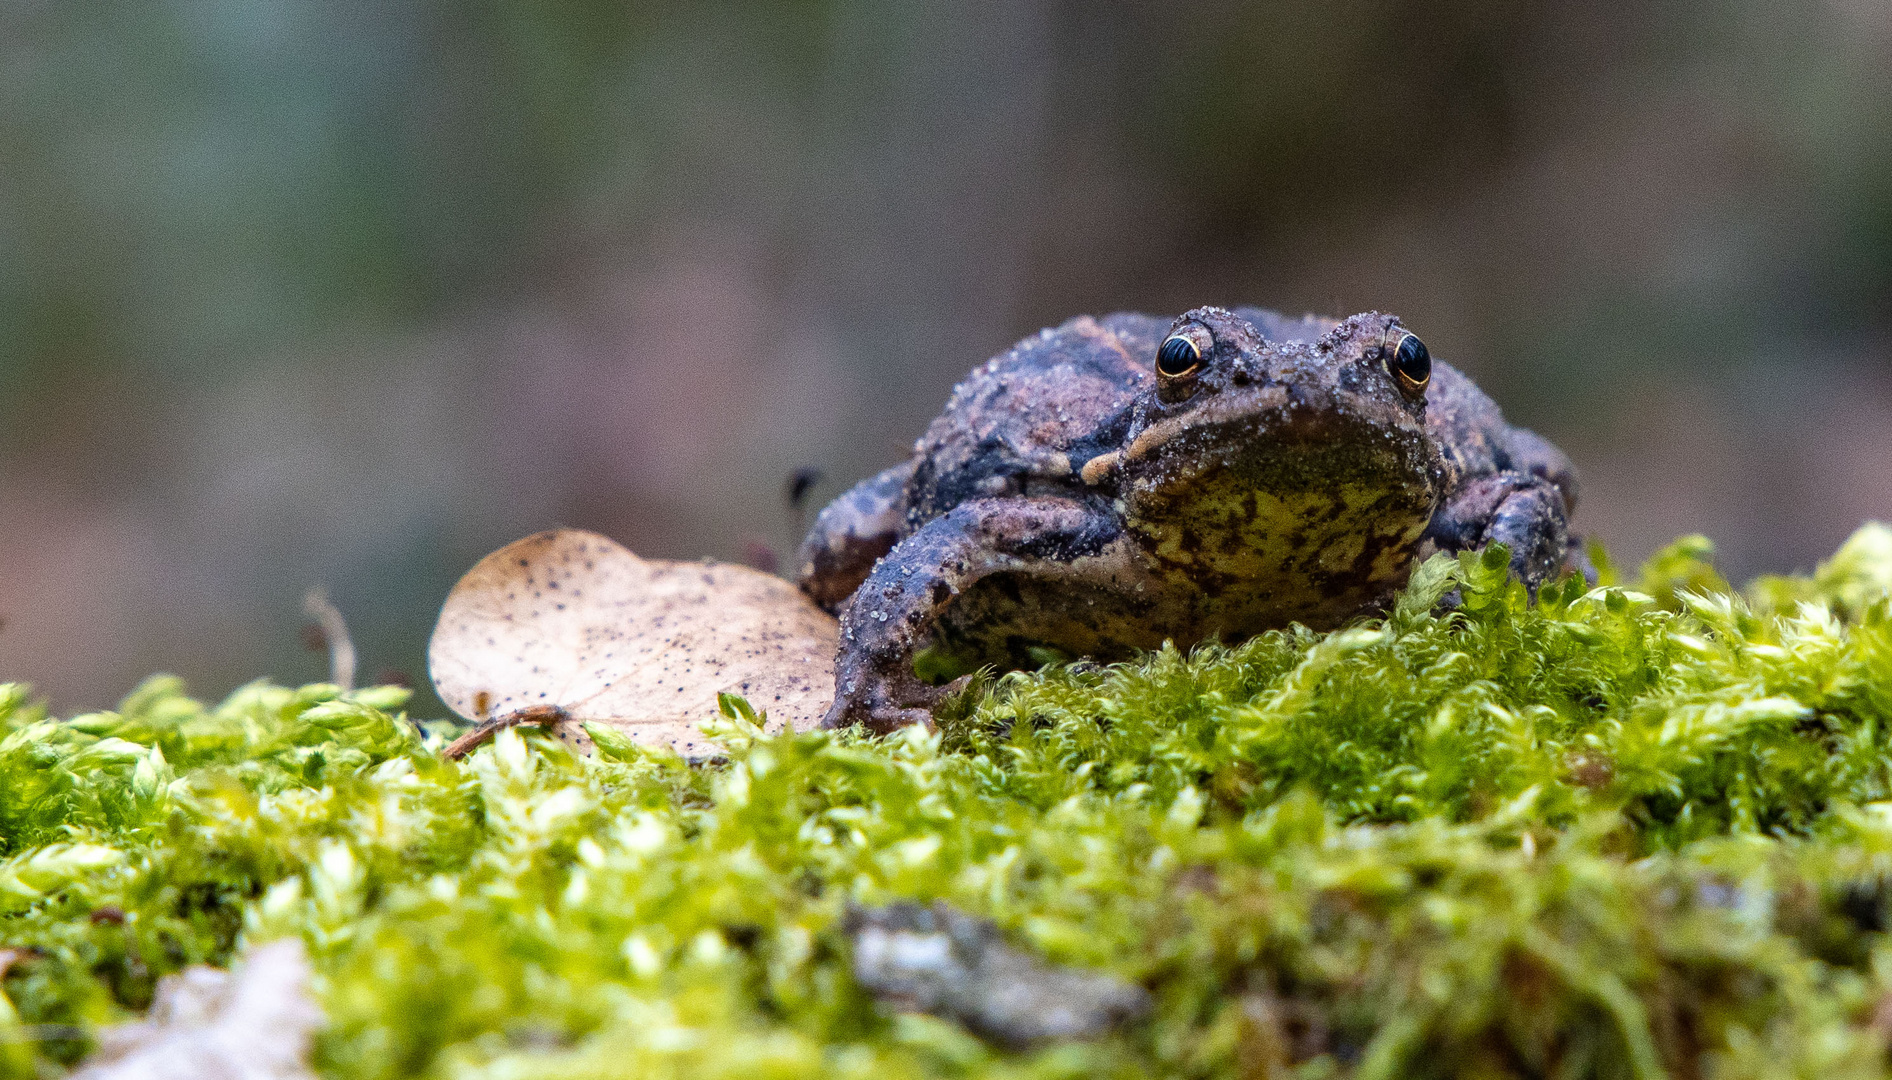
<point>1616,832</point>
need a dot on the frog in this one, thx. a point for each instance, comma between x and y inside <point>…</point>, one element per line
<point>1113,484</point>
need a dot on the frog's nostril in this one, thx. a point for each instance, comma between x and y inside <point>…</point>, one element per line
<point>1241,377</point>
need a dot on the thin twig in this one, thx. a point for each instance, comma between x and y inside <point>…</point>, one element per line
<point>341,648</point>
<point>542,715</point>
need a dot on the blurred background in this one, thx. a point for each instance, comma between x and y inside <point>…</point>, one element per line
<point>351,293</point>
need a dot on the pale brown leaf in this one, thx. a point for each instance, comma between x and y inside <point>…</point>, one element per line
<point>576,628</point>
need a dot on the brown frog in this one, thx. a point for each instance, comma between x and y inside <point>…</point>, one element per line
<point>1115,483</point>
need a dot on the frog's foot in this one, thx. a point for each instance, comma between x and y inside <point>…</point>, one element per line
<point>883,705</point>
<point>1521,511</point>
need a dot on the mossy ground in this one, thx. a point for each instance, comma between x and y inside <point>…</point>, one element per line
<point>1620,832</point>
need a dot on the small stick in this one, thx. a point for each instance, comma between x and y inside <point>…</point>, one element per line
<point>795,493</point>
<point>543,715</point>
<point>341,648</point>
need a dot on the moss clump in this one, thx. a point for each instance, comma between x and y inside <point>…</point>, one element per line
<point>1618,832</point>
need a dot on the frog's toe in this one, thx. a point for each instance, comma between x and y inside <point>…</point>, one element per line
<point>886,721</point>
<point>878,720</point>
<point>885,708</point>
<point>1531,523</point>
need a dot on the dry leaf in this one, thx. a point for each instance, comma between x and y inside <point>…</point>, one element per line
<point>255,1023</point>
<point>569,627</point>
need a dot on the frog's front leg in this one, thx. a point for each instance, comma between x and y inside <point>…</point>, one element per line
<point>1524,512</point>
<point>893,613</point>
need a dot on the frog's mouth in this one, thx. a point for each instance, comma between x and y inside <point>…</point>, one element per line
<point>1253,410</point>
<point>1281,442</point>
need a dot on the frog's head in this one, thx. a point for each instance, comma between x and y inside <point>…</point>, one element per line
<point>1293,467</point>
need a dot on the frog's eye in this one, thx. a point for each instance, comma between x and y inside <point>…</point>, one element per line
<point>1178,357</point>
<point>1409,362</point>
